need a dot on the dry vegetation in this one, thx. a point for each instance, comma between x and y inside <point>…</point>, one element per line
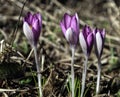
<point>17,66</point>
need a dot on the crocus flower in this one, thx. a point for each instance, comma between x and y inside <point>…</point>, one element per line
<point>86,41</point>
<point>99,37</point>
<point>70,28</point>
<point>32,24</point>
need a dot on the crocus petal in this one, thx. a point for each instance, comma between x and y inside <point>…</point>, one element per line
<point>36,25</point>
<point>77,18</point>
<point>99,43</point>
<point>90,39</point>
<point>74,25</point>
<point>39,17</point>
<point>71,37</point>
<point>28,18</point>
<point>36,30</point>
<point>83,43</point>
<point>67,20</point>
<point>28,32</point>
<point>69,34</point>
<point>103,33</point>
<point>84,31</point>
<point>63,27</point>
<point>94,31</point>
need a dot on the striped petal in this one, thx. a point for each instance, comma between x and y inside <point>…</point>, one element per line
<point>28,33</point>
<point>99,43</point>
<point>83,43</point>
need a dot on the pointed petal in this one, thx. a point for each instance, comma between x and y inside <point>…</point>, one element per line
<point>90,39</point>
<point>71,37</point>
<point>62,25</point>
<point>99,43</point>
<point>84,31</point>
<point>74,25</point>
<point>77,18</point>
<point>69,34</point>
<point>28,33</point>
<point>28,18</point>
<point>39,17</point>
<point>83,43</point>
<point>103,33</point>
<point>36,30</point>
<point>36,25</point>
<point>67,20</point>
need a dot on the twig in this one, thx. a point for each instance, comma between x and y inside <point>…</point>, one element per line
<point>16,28</point>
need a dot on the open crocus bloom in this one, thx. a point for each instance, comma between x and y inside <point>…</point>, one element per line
<point>99,36</point>
<point>32,24</point>
<point>86,40</point>
<point>70,28</point>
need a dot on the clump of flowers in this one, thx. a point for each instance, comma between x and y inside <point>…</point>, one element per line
<point>87,38</point>
<point>86,41</point>
<point>70,29</point>
<point>32,25</point>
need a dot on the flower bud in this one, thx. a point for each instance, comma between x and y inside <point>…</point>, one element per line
<point>32,25</point>
<point>99,36</point>
<point>70,28</point>
<point>86,40</point>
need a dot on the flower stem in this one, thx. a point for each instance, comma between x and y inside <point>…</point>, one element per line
<point>84,75</point>
<point>98,76</point>
<point>38,71</point>
<point>72,69</point>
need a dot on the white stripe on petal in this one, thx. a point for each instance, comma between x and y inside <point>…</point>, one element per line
<point>99,42</point>
<point>83,43</point>
<point>28,33</point>
<point>76,15</point>
<point>69,34</point>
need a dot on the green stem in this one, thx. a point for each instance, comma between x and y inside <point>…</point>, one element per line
<point>98,76</point>
<point>84,75</point>
<point>72,69</point>
<point>38,71</point>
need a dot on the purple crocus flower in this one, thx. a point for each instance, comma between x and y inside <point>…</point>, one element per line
<point>70,28</point>
<point>32,24</point>
<point>99,35</point>
<point>86,40</point>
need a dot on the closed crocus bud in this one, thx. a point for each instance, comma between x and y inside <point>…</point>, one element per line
<point>70,28</point>
<point>86,40</point>
<point>99,36</point>
<point>32,24</point>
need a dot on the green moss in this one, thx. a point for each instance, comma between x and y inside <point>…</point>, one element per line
<point>114,63</point>
<point>10,70</point>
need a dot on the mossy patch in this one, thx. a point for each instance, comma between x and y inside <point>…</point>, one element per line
<point>10,70</point>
